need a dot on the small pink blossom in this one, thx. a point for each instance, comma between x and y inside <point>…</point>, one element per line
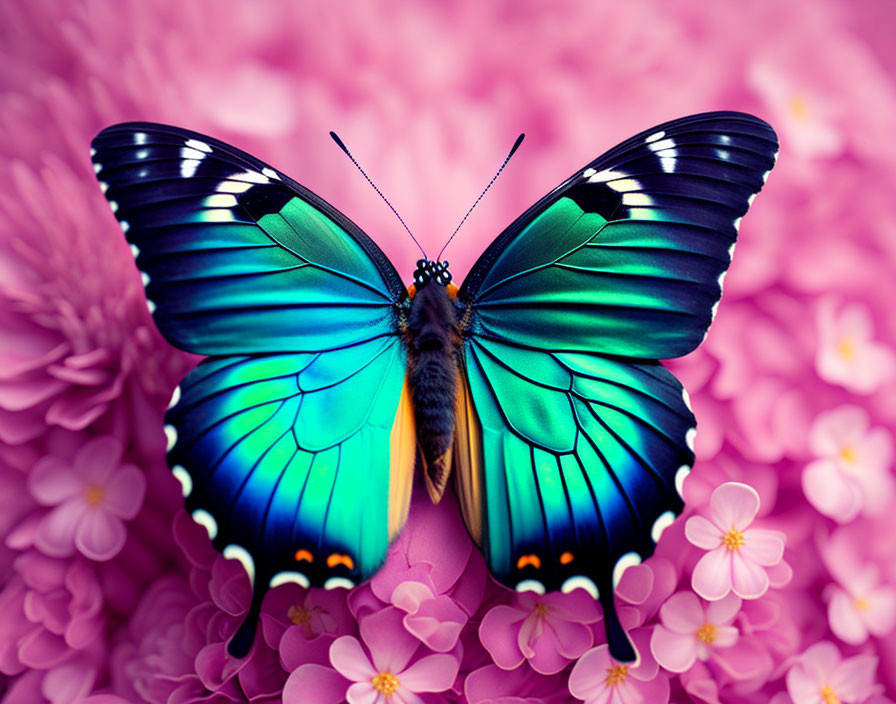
<point>847,355</point>
<point>691,631</point>
<point>852,472</point>
<point>436,620</point>
<point>548,630</point>
<point>821,676</point>
<point>388,671</point>
<point>738,555</point>
<point>599,679</point>
<point>91,498</point>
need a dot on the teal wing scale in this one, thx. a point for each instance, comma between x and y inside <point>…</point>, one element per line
<point>283,438</point>
<point>570,470</point>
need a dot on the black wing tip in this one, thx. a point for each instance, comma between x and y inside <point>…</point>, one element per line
<point>241,643</point>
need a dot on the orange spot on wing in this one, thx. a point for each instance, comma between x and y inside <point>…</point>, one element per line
<point>412,290</point>
<point>452,291</point>
<point>304,555</point>
<point>566,558</point>
<point>527,560</point>
<point>336,559</point>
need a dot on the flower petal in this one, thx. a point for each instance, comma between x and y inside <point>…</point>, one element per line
<point>390,645</point>
<point>100,535</point>
<point>844,618</point>
<point>314,684</point>
<point>703,533</point>
<point>764,547</point>
<point>676,652</point>
<point>853,680</point>
<point>748,580</point>
<point>349,659</point>
<point>124,491</point>
<point>52,481</point>
<point>733,505</point>
<point>362,693</point>
<point>711,578</point>
<point>434,673</point>
<point>830,492</point>
<point>721,613</point>
<point>55,532</point>
<point>682,613</point>
<point>499,632</point>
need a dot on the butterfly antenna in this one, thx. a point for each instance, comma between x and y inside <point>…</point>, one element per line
<point>516,145</point>
<point>379,192</point>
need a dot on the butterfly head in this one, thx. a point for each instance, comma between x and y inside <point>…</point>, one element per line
<point>427,271</point>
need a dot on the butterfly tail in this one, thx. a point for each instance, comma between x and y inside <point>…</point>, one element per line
<point>621,648</point>
<point>242,640</point>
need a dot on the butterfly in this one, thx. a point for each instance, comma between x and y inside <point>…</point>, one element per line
<point>536,382</point>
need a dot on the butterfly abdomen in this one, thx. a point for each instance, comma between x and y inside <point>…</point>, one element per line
<point>433,344</point>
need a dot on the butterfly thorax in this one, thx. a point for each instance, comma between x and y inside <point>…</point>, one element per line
<point>433,348</point>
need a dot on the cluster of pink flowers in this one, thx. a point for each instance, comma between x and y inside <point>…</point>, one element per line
<point>778,584</point>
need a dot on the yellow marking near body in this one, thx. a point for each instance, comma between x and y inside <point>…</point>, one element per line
<point>526,560</point>
<point>452,290</point>
<point>304,555</point>
<point>566,558</point>
<point>337,559</point>
<point>468,460</point>
<point>412,291</point>
<point>402,456</point>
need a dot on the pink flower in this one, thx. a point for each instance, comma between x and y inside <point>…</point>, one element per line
<point>691,631</point>
<point>436,620</point>
<point>599,679</point>
<point>859,604</point>
<point>387,674</point>
<point>91,498</point>
<point>546,629</point>
<point>738,555</point>
<point>820,676</point>
<point>852,473</point>
<point>847,354</point>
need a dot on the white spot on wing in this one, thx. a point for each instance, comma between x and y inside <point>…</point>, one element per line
<point>622,564</point>
<point>97,167</point>
<point>188,153</point>
<point>270,173</point>
<point>139,137</point>
<point>687,399</point>
<point>150,306</point>
<point>175,397</point>
<point>144,277</point>
<point>196,144</point>
<point>125,226</point>
<point>104,186</point>
<point>530,585</point>
<point>636,199</point>
<point>217,215</point>
<point>114,205</point>
<point>207,521</point>
<point>233,187</point>
<point>661,145</point>
<point>750,200</point>
<point>171,435</point>
<point>655,136</point>
<point>605,175</point>
<point>188,167</point>
<point>580,582</point>
<point>725,139</point>
<point>92,152</point>
<point>737,223</point>
<point>290,577</point>
<point>250,177</point>
<point>238,552</point>
<point>680,476</point>
<point>135,250</point>
<point>142,153</point>
<point>660,524</point>
<point>339,583</point>
<point>589,172</point>
<point>689,438</point>
<point>220,200</point>
<point>183,476</point>
<point>731,250</point>
<point>625,185</point>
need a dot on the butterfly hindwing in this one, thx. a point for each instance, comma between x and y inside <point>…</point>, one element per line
<point>626,256</point>
<point>294,440</point>
<point>572,439</point>
<point>238,258</point>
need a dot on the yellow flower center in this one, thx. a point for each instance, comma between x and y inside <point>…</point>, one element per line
<point>299,615</point>
<point>94,495</point>
<point>828,696</point>
<point>799,107</point>
<point>707,633</point>
<point>733,539</point>
<point>846,349</point>
<point>385,683</point>
<point>848,454</point>
<point>616,675</point>
<point>862,604</point>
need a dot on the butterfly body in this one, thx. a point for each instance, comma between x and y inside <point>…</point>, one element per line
<point>536,384</point>
<point>434,346</point>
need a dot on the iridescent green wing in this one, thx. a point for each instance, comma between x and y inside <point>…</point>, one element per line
<point>294,440</point>
<point>572,437</point>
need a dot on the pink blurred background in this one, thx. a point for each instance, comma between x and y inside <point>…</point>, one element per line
<point>798,367</point>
